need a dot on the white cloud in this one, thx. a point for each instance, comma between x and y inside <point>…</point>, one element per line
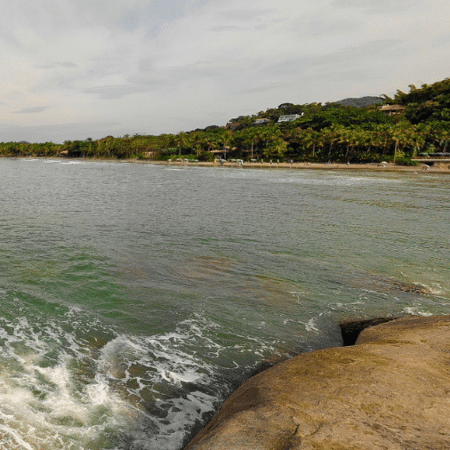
<point>35,109</point>
<point>161,66</point>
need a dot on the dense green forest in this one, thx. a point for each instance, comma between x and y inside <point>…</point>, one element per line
<point>322,132</point>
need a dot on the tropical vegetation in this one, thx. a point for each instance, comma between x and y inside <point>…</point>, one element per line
<point>335,132</point>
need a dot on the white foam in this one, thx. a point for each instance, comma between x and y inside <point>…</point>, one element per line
<point>17,439</point>
<point>153,389</point>
<point>414,311</point>
<point>311,325</point>
<point>12,398</point>
<point>188,376</point>
<point>304,178</point>
<point>432,290</point>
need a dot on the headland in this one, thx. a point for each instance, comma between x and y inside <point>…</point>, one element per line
<point>388,391</point>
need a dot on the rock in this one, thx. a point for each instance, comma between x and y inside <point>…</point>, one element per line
<point>418,289</point>
<point>351,329</point>
<point>389,391</point>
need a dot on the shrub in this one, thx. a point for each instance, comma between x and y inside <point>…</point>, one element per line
<point>405,161</point>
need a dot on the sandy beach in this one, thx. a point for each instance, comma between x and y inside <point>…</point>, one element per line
<point>439,167</point>
<point>442,168</point>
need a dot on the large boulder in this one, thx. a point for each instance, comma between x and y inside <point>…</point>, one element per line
<point>389,391</point>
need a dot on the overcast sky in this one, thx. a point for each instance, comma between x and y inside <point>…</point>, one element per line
<point>73,69</point>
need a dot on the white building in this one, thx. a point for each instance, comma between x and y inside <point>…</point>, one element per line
<point>262,121</point>
<point>289,118</point>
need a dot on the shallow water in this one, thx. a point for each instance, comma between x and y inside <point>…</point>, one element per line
<point>135,298</point>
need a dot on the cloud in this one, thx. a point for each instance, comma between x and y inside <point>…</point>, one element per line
<point>160,66</point>
<point>378,6</point>
<point>245,14</point>
<point>36,109</point>
<point>226,28</point>
<point>62,64</point>
<point>118,91</point>
<point>58,133</point>
<point>355,54</point>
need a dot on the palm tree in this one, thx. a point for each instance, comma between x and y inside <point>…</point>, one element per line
<point>296,138</point>
<point>347,139</point>
<point>210,142</point>
<point>311,138</point>
<point>402,134</point>
<point>180,140</point>
<point>441,133</point>
<point>383,134</point>
<point>277,148</point>
<point>254,135</point>
<point>332,134</point>
<point>226,139</point>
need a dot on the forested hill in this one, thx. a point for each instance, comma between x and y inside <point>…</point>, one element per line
<point>431,102</point>
<point>396,130</point>
<point>360,102</point>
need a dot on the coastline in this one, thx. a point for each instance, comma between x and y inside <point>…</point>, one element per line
<point>438,168</point>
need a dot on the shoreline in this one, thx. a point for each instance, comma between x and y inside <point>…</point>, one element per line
<point>437,168</point>
<point>422,168</point>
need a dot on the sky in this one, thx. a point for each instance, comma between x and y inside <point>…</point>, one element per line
<point>77,69</point>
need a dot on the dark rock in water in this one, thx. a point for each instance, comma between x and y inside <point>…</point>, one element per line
<point>416,288</point>
<point>389,391</point>
<point>350,330</point>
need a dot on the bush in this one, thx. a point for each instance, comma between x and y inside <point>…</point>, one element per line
<point>206,156</point>
<point>367,158</point>
<point>163,157</point>
<point>405,161</point>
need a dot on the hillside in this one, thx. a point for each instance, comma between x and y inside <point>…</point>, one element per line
<point>351,130</point>
<point>360,102</point>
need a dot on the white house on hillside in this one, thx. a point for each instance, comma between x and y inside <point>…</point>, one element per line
<point>289,118</point>
<point>262,121</point>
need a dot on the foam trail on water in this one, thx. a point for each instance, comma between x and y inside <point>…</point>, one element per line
<point>16,439</point>
<point>70,382</point>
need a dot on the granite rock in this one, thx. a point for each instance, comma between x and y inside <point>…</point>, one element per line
<point>389,391</point>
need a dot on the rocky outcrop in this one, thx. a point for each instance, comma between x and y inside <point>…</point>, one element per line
<point>351,329</point>
<point>389,391</point>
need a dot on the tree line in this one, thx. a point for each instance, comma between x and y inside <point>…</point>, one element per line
<point>322,132</point>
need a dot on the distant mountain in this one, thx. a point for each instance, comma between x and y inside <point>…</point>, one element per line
<point>360,102</point>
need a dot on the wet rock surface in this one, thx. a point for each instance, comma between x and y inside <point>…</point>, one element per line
<point>389,391</point>
<point>350,330</point>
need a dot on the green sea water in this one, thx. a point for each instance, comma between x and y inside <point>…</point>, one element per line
<point>134,298</point>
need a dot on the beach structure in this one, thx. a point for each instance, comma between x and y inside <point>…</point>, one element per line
<point>233,126</point>
<point>392,110</point>
<point>432,159</point>
<point>221,153</point>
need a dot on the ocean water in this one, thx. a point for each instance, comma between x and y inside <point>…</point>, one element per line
<point>134,298</point>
